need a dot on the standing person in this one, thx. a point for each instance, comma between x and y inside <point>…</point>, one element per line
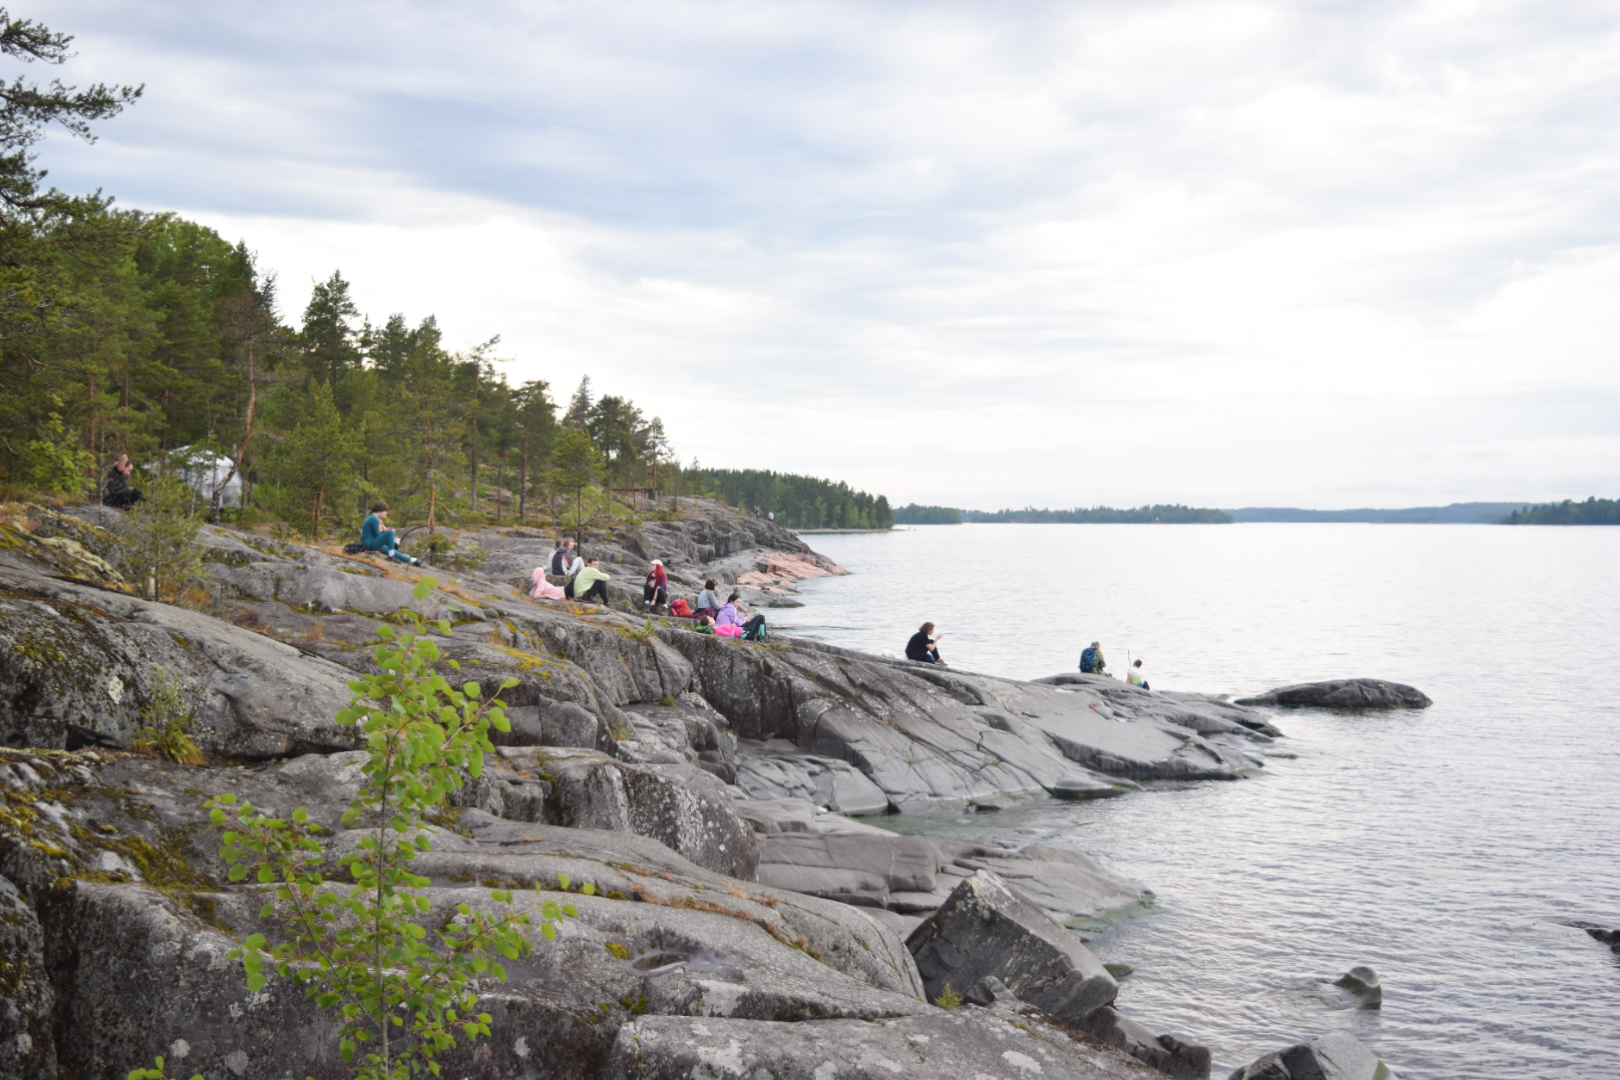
<point>1134,676</point>
<point>121,494</point>
<point>373,537</point>
<point>656,590</point>
<point>708,601</point>
<point>593,583</point>
<point>924,645</point>
<point>1091,660</point>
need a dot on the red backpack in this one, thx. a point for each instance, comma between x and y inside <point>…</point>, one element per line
<point>680,607</point>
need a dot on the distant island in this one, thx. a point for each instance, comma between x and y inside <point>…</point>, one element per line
<point>1593,511</point>
<point>914,514</point>
<point>1469,513</point>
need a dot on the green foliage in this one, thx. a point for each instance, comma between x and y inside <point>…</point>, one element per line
<point>1593,511</point>
<point>1106,515</point>
<point>799,502</point>
<point>166,722</point>
<point>58,465</point>
<point>158,1073</point>
<point>157,548</point>
<point>373,952</point>
<point>948,998</point>
<point>912,514</point>
<point>314,468</point>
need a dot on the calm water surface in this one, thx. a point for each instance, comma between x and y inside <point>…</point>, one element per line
<point>1442,847</point>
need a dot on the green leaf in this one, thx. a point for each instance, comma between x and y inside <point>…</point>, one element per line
<point>425,587</point>
<point>563,881</point>
<point>548,930</point>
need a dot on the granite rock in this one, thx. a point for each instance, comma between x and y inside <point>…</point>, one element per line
<point>1343,694</point>
<point>1334,1056</point>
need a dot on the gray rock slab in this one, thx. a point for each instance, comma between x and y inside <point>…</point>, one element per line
<point>27,1000</point>
<point>968,1043</point>
<point>1334,1056</point>
<point>986,930</point>
<point>1067,885</point>
<point>78,665</point>
<point>855,868</point>
<point>683,807</point>
<point>1343,694</point>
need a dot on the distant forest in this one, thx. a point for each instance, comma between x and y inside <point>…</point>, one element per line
<point>913,514</point>
<point>1593,511</point>
<point>799,502</point>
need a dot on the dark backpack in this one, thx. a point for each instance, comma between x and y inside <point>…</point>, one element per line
<point>557,566</point>
<point>1088,659</point>
<point>353,549</point>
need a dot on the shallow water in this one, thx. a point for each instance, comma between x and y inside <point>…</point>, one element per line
<point>1441,847</point>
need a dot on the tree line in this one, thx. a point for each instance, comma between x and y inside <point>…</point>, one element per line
<point>1168,514</point>
<point>1593,511</point>
<point>799,502</point>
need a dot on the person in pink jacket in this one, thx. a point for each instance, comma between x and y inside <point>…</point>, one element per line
<point>543,589</point>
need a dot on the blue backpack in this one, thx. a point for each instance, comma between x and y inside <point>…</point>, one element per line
<point>1088,659</point>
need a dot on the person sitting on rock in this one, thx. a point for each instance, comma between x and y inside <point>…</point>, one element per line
<point>728,614</point>
<point>655,593</point>
<point>543,589</point>
<point>563,560</point>
<point>120,494</point>
<point>1091,660</point>
<point>708,601</point>
<point>924,645</point>
<point>373,537</point>
<point>1134,676</point>
<point>593,582</point>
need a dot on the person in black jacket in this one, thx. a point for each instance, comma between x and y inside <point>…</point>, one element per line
<point>120,493</point>
<point>923,646</point>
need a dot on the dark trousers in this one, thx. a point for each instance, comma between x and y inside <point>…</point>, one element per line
<point>652,594</point>
<point>754,627</point>
<point>121,500</point>
<point>597,590</point>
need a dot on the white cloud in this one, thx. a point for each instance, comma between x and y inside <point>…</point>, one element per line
<point>1225,253</point>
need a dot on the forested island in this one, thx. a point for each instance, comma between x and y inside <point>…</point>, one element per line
<point>1593,511</point>
<point>1171,514</point>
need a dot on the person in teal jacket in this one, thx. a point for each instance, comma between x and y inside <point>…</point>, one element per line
<point>373,537</point>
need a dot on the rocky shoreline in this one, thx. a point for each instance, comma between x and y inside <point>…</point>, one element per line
<point>745,922</point>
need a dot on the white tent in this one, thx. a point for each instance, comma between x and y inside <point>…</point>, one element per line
<point>205,472</point>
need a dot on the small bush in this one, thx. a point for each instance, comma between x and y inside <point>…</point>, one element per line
<point>157,540</point>
<point>166,723</point>
<point>948,998</point>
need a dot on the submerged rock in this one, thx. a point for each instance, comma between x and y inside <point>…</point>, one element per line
<point>1343,694</point>
<point>1362,984</point>
<point>985,930</point>
<point>1334,1056</point>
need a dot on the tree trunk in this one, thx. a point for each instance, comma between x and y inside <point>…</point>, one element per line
<point>523,488</point>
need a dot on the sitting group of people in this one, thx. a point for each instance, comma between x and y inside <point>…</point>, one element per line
<point>1092,663</point>
<point>583,580</point>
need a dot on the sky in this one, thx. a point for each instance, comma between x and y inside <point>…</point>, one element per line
<point>1223,253</point>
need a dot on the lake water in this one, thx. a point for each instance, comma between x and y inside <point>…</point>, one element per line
<point>1443,847</point>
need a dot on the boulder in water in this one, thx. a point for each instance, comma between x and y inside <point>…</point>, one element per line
<point>1334,1056</point>
<point>1166,1053</point>
<point>1344,694</point>
<point>1362,984</point>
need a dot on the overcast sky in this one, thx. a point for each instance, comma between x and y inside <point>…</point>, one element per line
<point>990,254</point>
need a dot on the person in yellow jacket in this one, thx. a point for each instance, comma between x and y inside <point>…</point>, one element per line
<point>591,582</point>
